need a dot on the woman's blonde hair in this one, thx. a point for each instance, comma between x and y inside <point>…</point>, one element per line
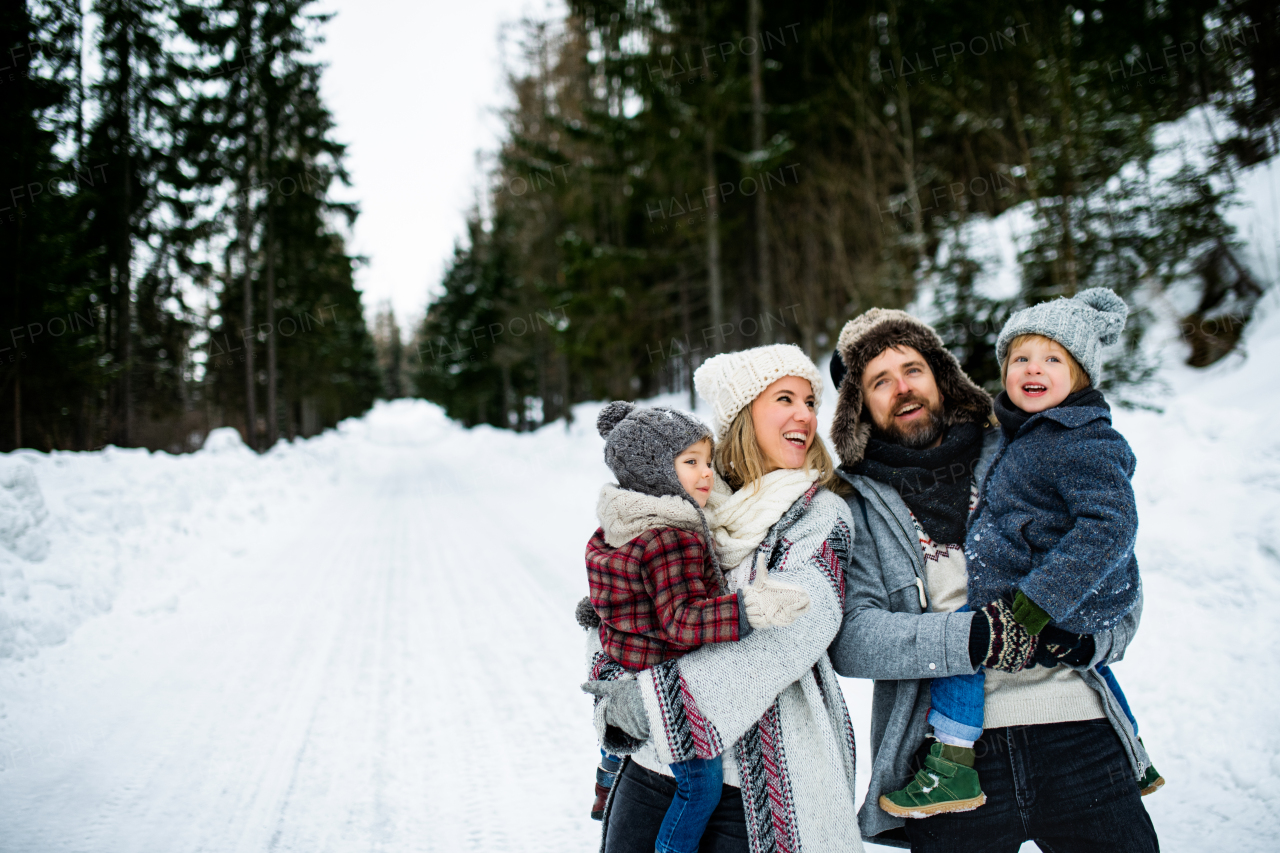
<point>1079,379</point>
<point>740,462</point>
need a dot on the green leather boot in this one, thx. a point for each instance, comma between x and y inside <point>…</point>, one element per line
<point>1151,781</point>
<point>946,783</point>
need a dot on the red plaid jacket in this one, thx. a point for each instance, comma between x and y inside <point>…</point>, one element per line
<point>654,597</point>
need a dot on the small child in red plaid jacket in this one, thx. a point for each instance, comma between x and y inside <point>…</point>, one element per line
<point>656,583</point>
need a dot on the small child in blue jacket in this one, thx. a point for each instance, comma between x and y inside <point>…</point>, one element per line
<point>1055,523</point>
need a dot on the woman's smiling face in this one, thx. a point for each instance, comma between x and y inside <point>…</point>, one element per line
<point>785,423</point>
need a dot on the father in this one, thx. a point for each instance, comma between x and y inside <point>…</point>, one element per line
<point>1058,760</point>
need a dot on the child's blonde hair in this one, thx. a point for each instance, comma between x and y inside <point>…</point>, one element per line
<point>1079,379</point>
<point>739,460</point>
<point>707,439</point>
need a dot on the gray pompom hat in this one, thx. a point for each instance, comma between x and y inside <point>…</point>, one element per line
<point>1083,324</point>
<point>641,445</point>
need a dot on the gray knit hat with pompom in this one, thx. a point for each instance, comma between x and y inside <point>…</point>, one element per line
<point>1083,325</point>
<point>641,445</point>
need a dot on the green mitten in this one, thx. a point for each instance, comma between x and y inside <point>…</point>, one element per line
<point>1029,614</point>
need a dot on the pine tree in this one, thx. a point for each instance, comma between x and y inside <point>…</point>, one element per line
<point>48,370</point>
<point>391,352</point>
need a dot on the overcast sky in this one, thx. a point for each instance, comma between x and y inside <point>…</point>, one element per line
<point>414,87</point>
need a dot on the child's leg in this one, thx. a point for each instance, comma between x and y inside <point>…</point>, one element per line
<point>1151,780</point>
<point>699,783</point>
<point>947,783</point>
<point>605,775</point>
<point>1105,672</point>
<point>955,708</point>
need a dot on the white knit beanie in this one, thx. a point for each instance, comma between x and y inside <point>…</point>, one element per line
<point>730,381</point>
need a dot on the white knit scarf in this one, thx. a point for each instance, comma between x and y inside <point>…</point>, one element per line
<point>739,520</point>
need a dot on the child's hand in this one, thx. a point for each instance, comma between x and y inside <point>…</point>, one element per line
<point>1059,646</point>
<point>770,603</point>
<point>1029,614</point>
<point>999,641</point>
<point>623,706</point>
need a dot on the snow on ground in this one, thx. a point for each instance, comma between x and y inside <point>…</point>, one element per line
<point>364,641</point>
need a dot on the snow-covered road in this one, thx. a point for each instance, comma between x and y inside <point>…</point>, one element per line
<point>386,669</point>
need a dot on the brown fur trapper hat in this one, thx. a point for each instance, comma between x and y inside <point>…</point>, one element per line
<point>865,337</point>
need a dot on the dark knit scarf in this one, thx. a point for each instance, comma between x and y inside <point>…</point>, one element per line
<point>934,482</point>
<point>1012,418</point>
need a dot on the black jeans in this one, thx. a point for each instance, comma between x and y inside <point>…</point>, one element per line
<point>640,801</point>
<point>1066,786</point>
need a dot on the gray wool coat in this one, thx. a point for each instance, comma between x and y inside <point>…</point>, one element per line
<point>887,634</point>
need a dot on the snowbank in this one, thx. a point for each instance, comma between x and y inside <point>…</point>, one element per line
<point>81,532</point>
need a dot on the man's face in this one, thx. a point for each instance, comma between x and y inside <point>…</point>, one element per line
<point>903,398</point>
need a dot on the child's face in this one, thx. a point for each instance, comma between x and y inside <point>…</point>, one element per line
<point>693,467</point>
<point>1039,377</point>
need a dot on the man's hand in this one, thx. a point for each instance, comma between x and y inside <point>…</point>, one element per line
<point>624,708</point>
<point>998,641</point>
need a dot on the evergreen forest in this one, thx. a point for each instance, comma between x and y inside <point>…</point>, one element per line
<point>674,179</point>
<point>684,178</point>
<point>172,256</point>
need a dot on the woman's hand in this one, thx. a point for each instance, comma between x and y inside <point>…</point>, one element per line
<point>623,708</point>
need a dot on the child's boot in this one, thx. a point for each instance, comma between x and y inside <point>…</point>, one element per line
<point>1151,781</point>
<point>946,783</point>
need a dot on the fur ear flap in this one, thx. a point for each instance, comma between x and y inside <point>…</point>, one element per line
<point>962,400</point>
<point>858,447</point>
<point>845,429</point>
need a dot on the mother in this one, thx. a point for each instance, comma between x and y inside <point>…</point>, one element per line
<point>770,703</point>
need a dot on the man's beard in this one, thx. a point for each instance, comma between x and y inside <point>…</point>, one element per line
<point>915,435</point>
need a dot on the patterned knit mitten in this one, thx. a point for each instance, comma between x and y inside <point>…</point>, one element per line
<point>1010,646</point>
<point>771,603</point>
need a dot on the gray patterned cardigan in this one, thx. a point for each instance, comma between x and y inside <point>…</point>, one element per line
<point>771,698</point>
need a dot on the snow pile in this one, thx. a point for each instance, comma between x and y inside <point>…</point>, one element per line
<point>79,530</point>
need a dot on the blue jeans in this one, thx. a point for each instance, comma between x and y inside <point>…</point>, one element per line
<point>1068,787</point>
<point>955,703</point>
<point>698,788</point>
